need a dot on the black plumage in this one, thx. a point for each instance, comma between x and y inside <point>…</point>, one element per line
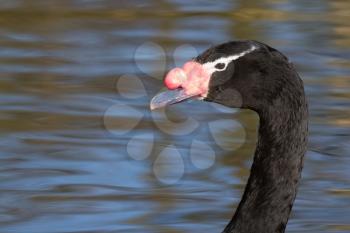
<point>266,82</point>
<point>252,75</point>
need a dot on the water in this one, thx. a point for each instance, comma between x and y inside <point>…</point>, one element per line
<point>81,152</point>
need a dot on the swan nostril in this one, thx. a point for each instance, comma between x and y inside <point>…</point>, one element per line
<point>175,78</point>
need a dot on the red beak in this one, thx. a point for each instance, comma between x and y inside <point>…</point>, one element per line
<point>183,83</point>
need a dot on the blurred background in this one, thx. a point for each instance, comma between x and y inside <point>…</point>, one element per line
<point>80,150</point>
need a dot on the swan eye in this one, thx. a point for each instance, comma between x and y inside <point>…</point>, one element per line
<point>220,66</point>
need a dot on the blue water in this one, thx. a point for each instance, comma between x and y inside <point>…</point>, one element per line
<point>81,151</point>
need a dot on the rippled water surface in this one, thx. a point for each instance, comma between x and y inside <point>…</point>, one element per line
<point>81,151</point>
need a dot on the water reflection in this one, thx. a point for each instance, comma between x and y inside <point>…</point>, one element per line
<point>63,64</point>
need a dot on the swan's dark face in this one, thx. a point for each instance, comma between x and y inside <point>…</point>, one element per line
<point>239,74</point>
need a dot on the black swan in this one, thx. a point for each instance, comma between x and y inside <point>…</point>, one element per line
<point>252,75</point>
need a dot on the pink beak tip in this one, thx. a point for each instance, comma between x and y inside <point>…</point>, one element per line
<point>192,77</point>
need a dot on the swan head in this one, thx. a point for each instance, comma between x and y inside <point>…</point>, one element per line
<point>238,74</point>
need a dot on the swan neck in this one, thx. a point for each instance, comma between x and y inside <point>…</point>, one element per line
<point>272,185</point>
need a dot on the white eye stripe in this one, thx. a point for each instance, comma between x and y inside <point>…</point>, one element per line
<point>219,66</point>
<point>210,66</point>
